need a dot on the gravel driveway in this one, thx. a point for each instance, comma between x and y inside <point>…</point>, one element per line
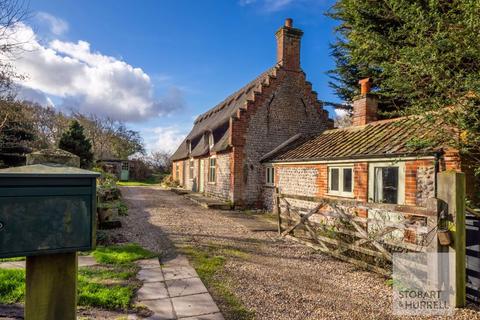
<point>277,279</point>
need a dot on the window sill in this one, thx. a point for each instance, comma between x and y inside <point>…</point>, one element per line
<point>212,183</point>
<point>270,185</point>
<point>346,196</point>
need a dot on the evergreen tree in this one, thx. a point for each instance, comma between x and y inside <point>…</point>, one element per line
<point>16,133</point>
<point>73,140</point>
<point>421,56</point>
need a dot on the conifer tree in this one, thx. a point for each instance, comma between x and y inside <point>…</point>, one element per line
<point>421,56</point>
<point>73,140</point>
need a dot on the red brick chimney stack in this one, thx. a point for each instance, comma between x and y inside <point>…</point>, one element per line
<point>288,46</point>
<point>365,106</point>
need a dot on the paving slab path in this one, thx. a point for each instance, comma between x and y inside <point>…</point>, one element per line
<point>173,290</point>
<point>275,278</point>
<point>83,261</point>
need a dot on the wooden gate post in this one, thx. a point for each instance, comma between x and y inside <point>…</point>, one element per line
<point>451,189</point>
<point>277,209</point>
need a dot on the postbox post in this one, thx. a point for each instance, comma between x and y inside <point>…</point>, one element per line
<point>51,280</point>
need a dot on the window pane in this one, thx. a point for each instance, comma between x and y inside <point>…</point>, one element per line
<point>347,180</point>
<point>211,171</point>
<point>273,175</point>
<point>390,184</point>
<point>386,185</point>
<point>334,179</point>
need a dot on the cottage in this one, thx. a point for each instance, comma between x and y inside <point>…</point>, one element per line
<point>370,161</point>
<point>221,155</point>
<point>274,133</point>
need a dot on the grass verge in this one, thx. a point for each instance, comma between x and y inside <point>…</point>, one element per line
<point>153,180</point>
<point>110,285</point>
<point>209,265</point>
<point>121,254</point>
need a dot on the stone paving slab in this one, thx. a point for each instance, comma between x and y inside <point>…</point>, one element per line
<point>173,290</point>
<point>83,261</point>
<point>183,287</point>
<point>152,291</point>
<point>148,263</point>
<point>178,272</point>
<point>13,265</point>
<point>86,261</point>
<point>177,261</point>
<point>162,309</point>
<point>194,305</point>
<point>151,275</point>
<point>213,316</point>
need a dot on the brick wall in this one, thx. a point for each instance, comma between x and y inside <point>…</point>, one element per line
<point>285,108</point>
<point>221,188</point>
<point>180,177</point>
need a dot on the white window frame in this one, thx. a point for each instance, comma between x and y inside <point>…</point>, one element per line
<point>340,192</point>
<point>401,179</point>
<point>210,181</point>
<point>269,173</point>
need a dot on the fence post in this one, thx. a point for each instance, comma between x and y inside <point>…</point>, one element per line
<point>277,206</point>
<point>451,189</point>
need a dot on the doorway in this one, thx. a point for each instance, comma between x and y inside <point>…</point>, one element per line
<point>201,176</point>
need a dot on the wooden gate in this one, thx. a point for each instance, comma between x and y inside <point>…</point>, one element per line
<point>472,223</point>
<point>342,228</point>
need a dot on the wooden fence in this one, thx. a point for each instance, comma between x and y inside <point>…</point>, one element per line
<point>342,228</point>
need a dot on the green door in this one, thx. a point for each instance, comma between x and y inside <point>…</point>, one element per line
<point>125,171</point>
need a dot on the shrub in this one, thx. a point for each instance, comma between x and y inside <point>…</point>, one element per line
<point>168,181</point>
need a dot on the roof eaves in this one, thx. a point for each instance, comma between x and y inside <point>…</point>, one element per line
<point>356,157</point>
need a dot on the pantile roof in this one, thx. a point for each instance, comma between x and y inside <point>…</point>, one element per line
<point>394,137</point>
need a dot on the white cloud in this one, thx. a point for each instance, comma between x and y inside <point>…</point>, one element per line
<point>268,5</point>
<point>28,94</point>
<point>89,81</point>
<point>56,25</point>
<point>340,112</point>
<point>163,138</point>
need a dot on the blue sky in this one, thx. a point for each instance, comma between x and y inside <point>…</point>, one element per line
<point>174,59</point>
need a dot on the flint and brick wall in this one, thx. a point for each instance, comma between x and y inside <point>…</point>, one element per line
<point>285,108</point>
<point>312,180</point>
<point>179,178</point>
<point>221,187</point>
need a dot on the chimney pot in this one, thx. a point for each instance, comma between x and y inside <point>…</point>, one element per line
<point>288,22</point>
<point>365,106</point>
<point>365,86</point>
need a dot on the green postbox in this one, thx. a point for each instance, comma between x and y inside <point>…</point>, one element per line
<point>46,209</point>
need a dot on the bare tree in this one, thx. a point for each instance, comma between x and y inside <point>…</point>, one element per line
<point>12,13</point>
<point>160,161</point>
